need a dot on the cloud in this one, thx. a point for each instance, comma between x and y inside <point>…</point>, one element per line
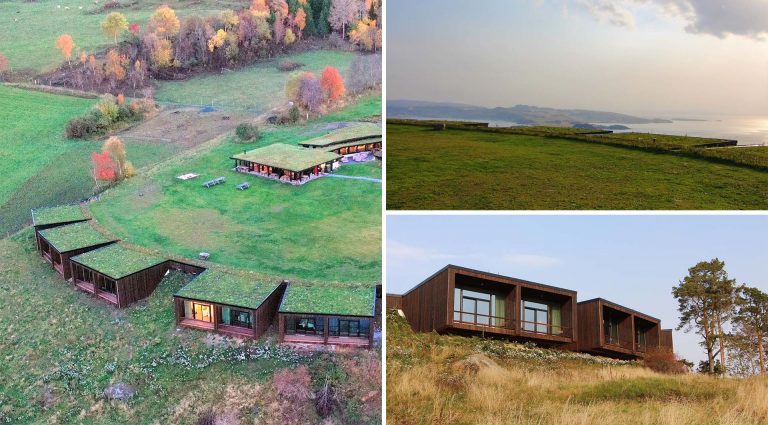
<point>613,12</point>
<point>720,18</point>
<point>529,260</point>
<point>398,250</point>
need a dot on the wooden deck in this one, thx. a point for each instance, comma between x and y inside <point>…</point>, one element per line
<point>349,341</point>
<point>85,286</point>
<point>482,328</point>
<point>304,339</point>
<point>198,324</point>
<point>236,331</point>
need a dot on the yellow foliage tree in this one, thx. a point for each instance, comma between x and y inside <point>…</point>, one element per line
<point>161,55</point>
<point>114,65</point>
<point>217,40</point>
<point>164,21</point>
<point>116,150</point>
<point>66,44</point>
<point>114,25</point>
<point>289,37</point>
<point>365,34</point>
<point>229,18</point>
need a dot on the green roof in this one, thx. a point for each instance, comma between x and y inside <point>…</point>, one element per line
<point>329,299</point>
<point>116,261</point>
<point>229,289</point>
<point>287,157</point>
<point>74,236</point>
<point>353,143</point>
<point>54,215</point>
<point>357,131</point>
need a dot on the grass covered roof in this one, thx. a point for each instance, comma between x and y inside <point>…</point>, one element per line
<point>60,214</point>
<point>355,131</point>
<point>329,299</point>
<point>116,261</point>
<point>353,143</point>
<point>74,236</point>
<point>287,157</point>
<point>227,288</point>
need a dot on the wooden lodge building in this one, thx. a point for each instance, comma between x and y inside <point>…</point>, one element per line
<point>229,304</point>
<point>118,275</point>
<point>286,163</point>
<point>58,245</point>
<point>359,137</point>
<point>328,315</point>
<point>470,302</point>
<point>612,330</point>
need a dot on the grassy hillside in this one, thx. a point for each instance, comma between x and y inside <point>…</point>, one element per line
<point>432,170</point>
<point>38,165</point>
<point>40,23</point>
<point>457,380</point>
<point>58,360</point>
<point>258,87</point>
<point>326,230</point>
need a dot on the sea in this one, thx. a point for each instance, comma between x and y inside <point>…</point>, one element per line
<point>745,129</point>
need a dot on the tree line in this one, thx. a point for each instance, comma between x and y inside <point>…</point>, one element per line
<point>731,319</point>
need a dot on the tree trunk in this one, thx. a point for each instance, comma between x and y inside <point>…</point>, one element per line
<point>721,340</point>
<point>761,352</point>
<point>708,341</point>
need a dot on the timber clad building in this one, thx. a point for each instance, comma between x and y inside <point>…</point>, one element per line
<point>471,302</point>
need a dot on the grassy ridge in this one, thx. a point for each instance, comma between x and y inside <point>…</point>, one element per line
<point>450,379</point>
<point>432,169</point>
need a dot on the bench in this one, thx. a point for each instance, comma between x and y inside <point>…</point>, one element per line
<point>214,182</point>
<point>243,186</point>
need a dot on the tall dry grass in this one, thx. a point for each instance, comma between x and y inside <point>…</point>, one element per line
<point>450,383</point>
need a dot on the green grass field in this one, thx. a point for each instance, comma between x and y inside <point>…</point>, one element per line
<point>56,366</point>
<point>258,87</point>
<point>328,230</point>
<point>38,165</point>
<point>472,170</point>
<point>40,23</point>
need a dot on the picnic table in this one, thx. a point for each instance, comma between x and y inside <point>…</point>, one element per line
<point>214,182</point>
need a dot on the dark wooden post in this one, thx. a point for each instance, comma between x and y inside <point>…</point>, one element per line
<point>325,329</point>
<point>216,314</point>
<point>281,326</point>
<point>518,309</point>
<point>253,323</point>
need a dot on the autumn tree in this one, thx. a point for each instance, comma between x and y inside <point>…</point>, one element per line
<point>704,307</point>
<point>115,148</point>
<point>217,40</point>
<point>289,37</point>
<point>3,63</point>
<point>134,28</point>
<point>160,50</point>
<point>342,13</point>
<point>752,321</point>
<point>310,93</point>
<point>164,22</point>
<point>279,8</point>
<point>114,25</point>
<point>137,74</point>
<point>300,20</point>
<point>65,44</point>
<point>103,167</point>
<point>114,65</point>
<point>292,86</point>
<point>332,83</point>
<point>259,8</point>
<point>366,35</point>
<point>229,18</point>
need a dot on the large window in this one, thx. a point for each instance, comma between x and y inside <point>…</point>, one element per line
<point>349,327</point>
<point>235,317</point>
<point>478,308</point>
<point>304,325</point>
<point>106,285</point>
<point>610,328</point>
<point>202,312</point>
<point>640,338</point>
<point>539,317</point>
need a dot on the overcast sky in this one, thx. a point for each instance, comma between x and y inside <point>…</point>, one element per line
<point>631,260</point>
<point>645,57</point>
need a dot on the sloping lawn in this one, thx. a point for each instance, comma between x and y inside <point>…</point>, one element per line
<point>453,169</point>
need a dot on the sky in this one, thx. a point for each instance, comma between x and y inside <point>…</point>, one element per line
<point>653,58</point>
<point>631,260</point>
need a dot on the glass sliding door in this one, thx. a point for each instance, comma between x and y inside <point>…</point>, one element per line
<point>202,312</point>
<point>535,317</point>
<point>478,308</point>
<point>611,329</point>
<point>640,338</point>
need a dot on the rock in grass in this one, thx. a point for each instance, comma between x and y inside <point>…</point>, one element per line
<point>119,392</point>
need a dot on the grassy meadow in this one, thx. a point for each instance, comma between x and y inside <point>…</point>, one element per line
<point>327,230</point>
<point>430,169</point>
<point>458,380</point>
<point>56,367</point>
<point>258,87</point>
<point>41,22</point>
<point>39,166</point>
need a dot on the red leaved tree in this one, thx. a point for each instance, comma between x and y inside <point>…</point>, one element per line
<point>332,83</point>
<point>3,63</point>
<point>103,167</point>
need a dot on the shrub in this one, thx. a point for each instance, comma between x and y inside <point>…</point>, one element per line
<point>664,361</point>
<point>80,128</point>
<point>143,107</point>
<point>294,114</point>
<point>288,65</point>
<point>247,131</point>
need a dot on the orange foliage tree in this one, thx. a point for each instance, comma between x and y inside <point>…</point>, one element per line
<point>3,63</point>
<point>114,65</point>
<point>259,8</point>
<point>103,167</point>
<point>332,83</point>
<point>300,20</point>
<point>66,44</point>
<point>164,21</point>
